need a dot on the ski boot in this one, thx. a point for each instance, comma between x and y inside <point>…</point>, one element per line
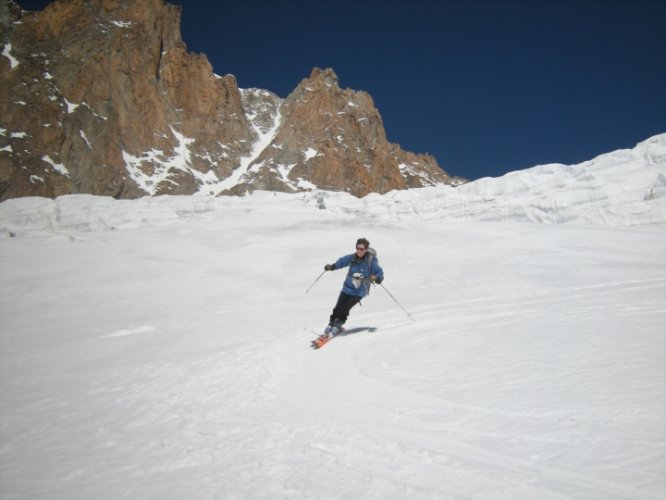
<point>335,328</point>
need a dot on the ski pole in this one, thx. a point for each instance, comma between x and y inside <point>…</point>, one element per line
<point>315,281</point>
<point>396,301</point>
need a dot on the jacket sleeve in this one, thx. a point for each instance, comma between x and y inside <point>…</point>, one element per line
<point>343,261</point>
<point>377,270</point>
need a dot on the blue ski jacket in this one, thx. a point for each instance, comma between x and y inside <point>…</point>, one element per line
<point>357,281</point>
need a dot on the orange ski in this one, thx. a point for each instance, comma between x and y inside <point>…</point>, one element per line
<point>320,341</point>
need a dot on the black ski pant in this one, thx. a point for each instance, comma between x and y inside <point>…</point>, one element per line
<point>342,308</point>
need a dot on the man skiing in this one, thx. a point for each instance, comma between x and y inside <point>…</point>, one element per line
<point>363,270</point>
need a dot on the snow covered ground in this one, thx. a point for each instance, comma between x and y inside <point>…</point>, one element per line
<point>624,187</point>
<point>169,357</point>
<point>159,348</point>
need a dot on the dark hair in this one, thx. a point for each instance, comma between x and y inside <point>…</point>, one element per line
<point>364,242</point>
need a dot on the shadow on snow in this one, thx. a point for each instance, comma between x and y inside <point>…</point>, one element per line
<point>358,329</point>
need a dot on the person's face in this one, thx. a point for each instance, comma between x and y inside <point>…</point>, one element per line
<point>360,250</point>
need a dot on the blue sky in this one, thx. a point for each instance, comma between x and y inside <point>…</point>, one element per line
<point>485,86</point>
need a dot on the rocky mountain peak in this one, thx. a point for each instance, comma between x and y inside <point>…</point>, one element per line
<point>104,98</point>
<point>325,77</point>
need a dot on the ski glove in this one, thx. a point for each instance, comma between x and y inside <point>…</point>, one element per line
<point>375,279</point>
<point>329,267</point>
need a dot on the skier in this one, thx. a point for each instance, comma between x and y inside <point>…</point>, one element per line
<point>363,270</point>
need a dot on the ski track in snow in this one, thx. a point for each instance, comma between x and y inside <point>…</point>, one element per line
<point>172,360</point>
<point>132,331</point>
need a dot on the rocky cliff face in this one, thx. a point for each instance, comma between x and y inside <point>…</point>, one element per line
<point>334,139</point>
<point>102,97</point>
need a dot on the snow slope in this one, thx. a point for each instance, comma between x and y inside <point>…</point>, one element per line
<point>159,348</point>
<point>625,187</point>
<point>169,357</point>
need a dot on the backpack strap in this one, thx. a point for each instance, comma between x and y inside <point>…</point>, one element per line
<point>366,280</point>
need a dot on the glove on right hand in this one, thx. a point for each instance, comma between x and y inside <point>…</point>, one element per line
<point>329,267</point>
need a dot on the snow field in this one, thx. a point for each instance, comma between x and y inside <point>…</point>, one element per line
<point>169,357</point>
